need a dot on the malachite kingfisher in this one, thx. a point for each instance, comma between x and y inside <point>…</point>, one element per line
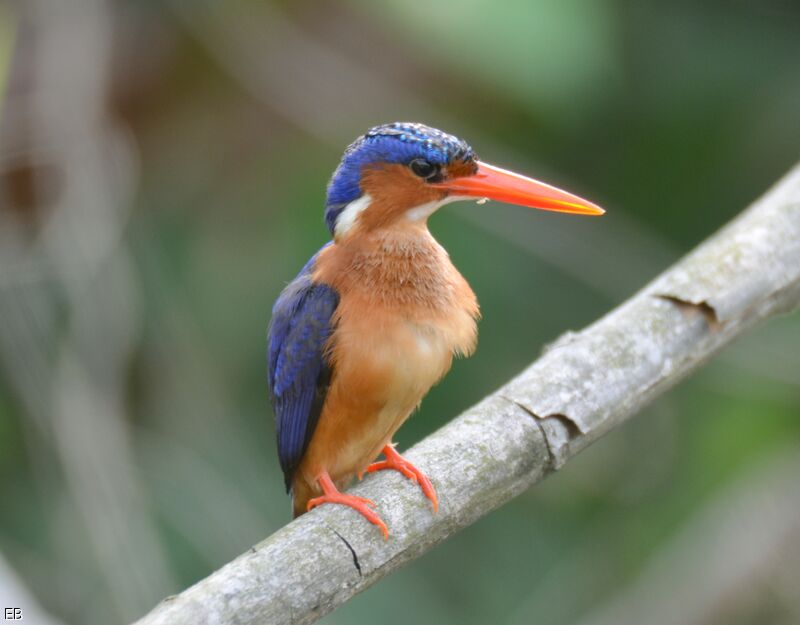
<point>376,316</point>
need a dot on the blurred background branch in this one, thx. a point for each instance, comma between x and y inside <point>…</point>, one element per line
<point>746,538</point>
<point>13,593</point>
<point>162,170</point>
<point>74,388</point>
<point>585,385</point>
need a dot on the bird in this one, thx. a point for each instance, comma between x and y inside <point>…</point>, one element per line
<point>375,317</point>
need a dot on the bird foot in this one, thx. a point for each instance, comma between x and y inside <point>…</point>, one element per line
<point>395,461</point>
<point>360,504</point>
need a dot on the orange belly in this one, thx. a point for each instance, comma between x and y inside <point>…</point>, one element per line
<point>390,345</point>
<point>382,372</point>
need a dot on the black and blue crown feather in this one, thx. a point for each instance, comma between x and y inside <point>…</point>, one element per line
<point>398,142</point>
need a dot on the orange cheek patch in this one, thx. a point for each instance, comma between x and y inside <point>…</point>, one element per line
<point>394,189</point>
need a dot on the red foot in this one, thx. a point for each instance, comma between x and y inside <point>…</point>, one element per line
<point>359,504</point>
<point>398,463</point>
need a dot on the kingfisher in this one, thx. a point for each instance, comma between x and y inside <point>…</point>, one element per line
<point>376,316</point>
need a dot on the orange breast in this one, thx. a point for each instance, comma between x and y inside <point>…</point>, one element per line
<point>404,312</point>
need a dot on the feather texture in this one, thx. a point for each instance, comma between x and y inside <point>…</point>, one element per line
<point>299,370</point>
<point>404,312</point>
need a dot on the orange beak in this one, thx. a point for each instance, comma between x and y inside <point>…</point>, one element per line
<point>506,186</point>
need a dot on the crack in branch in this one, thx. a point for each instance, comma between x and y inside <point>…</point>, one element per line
<point>573,431</point>
<point>353,551</point>
<point>689,307</point>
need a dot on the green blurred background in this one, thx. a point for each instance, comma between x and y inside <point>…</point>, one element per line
<point>162,176</point>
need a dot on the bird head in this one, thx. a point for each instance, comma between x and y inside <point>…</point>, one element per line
<point>406,171</point>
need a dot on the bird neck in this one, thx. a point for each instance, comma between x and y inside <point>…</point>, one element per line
<point>397,245</point>
<point>400,265</point>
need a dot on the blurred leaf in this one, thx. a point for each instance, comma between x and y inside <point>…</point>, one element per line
<point>7,38</point>
<point>549,53</point>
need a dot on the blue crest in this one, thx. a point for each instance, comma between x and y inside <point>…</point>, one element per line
<point>399,142</point>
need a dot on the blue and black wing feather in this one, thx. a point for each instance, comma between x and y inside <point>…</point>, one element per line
<point>299,372</point>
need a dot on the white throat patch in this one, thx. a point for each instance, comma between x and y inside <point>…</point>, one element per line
<point>423,211</point>
<point>347,218</point>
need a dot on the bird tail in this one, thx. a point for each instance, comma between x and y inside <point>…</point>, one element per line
<point>301,494</point>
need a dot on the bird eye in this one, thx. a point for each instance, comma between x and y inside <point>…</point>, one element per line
<point>424,169</point>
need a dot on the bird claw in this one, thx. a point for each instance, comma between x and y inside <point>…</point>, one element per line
<point>396,462</point>
<point>362,505</point>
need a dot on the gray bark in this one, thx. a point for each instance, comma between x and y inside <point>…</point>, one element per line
<point>584,385</point>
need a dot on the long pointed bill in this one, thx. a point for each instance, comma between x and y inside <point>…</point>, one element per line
<point>506,186</point>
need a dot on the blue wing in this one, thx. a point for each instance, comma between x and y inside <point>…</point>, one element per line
<point>299,373</point>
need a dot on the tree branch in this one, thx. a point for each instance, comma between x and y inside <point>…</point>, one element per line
<point>584,385</point>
